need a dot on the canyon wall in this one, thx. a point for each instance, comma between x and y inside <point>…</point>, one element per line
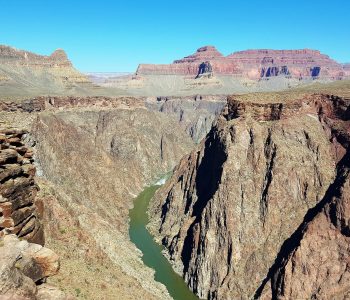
<point>195,114</point>
<point>253,64</point>
<point>94,161</point>
<point>231,205</point>
<point>93,156</point>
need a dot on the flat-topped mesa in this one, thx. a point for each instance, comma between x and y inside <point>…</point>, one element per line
<point>295,63</point>
<point>9,55</point>
<point>190,65</point>
<point>254,64</point>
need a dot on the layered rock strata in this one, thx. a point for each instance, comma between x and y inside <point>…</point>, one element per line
<point>42,103</point>
<point>23,73</point>
<point>24,263</point>
<point>231,205</point>
<point>19,213</point>
<point>253,64</point>
<point>57,63</point>
<point>195,114</point>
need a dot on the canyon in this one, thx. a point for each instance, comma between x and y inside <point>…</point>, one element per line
<point>256,206</point>
<point>92,156</point>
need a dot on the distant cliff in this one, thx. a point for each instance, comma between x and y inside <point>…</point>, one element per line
<point>253,64</point>
<point>26,73</point>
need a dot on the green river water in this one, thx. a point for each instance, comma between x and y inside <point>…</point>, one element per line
<point>152,252</point>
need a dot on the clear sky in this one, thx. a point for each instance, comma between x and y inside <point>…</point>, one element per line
<point>108,35</point>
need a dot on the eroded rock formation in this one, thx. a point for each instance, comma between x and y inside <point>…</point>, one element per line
<point>24,263</point>
<point>24,73</point>
<point>253,64</point>
<point>18,210</point>
<point>232,204</point>
<point>24,268</point>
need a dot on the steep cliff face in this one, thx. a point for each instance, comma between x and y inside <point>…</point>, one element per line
<point>313,262</point>
<point>233,202</point>
<point>96,161</point>
<point>194,114</point>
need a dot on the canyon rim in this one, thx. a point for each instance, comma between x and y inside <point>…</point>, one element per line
<point>133,169</point>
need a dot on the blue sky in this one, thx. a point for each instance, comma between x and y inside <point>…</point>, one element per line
<point>108,35</point>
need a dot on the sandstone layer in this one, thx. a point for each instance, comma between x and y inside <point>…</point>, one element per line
<point>231,205</point>
<point>19,213</point>
<point>252,64</point>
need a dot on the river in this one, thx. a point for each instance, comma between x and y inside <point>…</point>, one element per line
<point>152,252</point>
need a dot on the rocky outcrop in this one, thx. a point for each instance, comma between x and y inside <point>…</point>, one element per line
<point>313,262</point>
<point>24,268</point>
<point>23,265</point>
<point>9,55</point>
<point>19,213</point>
<point>301,64</point>
<point>202,54</point>
<point>231,204</point>
<point>253,64</point>
<point>189,65</point>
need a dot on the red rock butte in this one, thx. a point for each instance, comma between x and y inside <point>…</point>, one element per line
<point>254,64</point>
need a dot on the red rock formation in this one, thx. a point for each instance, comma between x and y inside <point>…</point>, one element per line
<point>253,64</point>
